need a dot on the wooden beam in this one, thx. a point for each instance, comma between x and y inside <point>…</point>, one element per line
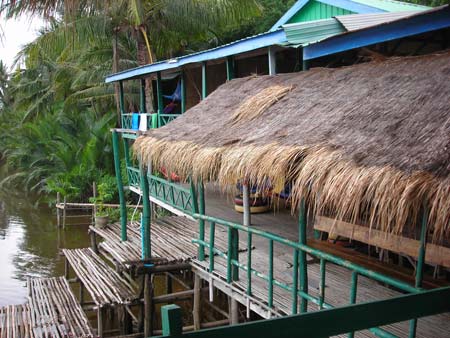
<point>435,254</point>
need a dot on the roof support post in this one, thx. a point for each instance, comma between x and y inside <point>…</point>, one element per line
<point>146,212</point>
<point>142,106</point>
<point>159,95</point>
<point>183,91</point>
<point>302,214</point>
<point>204,81</point>
<point>420,263</point>
<point>201,222</point>
<point>123,210</point>
<point>121,102</point>
<point>272,61</point>
<point>230,68</point>
<point>246,203</point>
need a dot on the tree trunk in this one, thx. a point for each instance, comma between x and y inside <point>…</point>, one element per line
<point>115,69</point>
<point>143,58</point>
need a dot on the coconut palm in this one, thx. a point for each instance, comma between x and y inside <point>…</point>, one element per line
<point>161,28</point>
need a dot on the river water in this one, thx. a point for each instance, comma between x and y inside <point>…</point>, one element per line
<point>29,244</point>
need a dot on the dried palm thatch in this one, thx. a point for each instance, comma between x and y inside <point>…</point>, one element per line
<point>368,142</point>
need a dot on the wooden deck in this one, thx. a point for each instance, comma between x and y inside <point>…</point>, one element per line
<point>337,291</point>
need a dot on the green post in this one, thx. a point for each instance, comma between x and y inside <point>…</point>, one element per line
<point>420,263</point>
<point>123,208</point>
<point>146,213</point>
<point>212,227</point>
<point>142,97</point>
<point>230,68</point>
<point>183,92</point>
<point>201,222</point>
<point>270,277</point>
<point>295,283</point>
<point>249,264</point>
<point>172,320</point>
<point>159,95</point>
<point>322,283</point>
<point>303,264</point>
<point>354,286</point>
<point>204,81</point>
<point>235,253</point>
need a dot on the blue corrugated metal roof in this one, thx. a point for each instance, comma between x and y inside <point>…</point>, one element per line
<point>241,46</point>
<point>356,6</point>
<point>308,32</point>
<point>426,21</point>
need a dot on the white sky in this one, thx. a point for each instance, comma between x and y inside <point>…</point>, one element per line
<point>16,33</point>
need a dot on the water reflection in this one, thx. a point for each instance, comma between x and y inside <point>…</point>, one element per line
<point>30,245</point>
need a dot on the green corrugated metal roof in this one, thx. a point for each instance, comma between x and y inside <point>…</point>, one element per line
<point>308,32</point>
<point>391,5</point>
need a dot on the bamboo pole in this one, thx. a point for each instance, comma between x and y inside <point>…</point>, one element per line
<point>58,212</point>
<point>94,207</point>
<point>197,302</point>
<point>246,203</point>
<point>64,213</point>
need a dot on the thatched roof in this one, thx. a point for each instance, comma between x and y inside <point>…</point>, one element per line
<point>371,141</point>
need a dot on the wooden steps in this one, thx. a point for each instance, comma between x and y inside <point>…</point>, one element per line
<point>171,240</point>
<point>103,283</point>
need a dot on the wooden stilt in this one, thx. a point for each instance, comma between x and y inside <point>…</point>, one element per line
<point>58,212</point>
<point>66,268</point>
<point>94,207</point>
<point>81,293</point>
<point>197,301</point>
<point>148,306</point>
<point>93,239</point>
<point>64,214</point>
<point>100,313</point>
<point>168,284</point>
<point>234,311</point>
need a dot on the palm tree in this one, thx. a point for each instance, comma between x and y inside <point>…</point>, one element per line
<point>3,83</point>
<point>161,28</point>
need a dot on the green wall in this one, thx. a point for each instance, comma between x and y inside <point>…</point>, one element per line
<point>316,10</point>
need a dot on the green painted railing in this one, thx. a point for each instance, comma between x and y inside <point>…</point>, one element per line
<point>324,323</point>
<point>299,286</point>
<point>127,118</point>
<point>164,119</point>
<point>134,179</point>
<point>173,194</point>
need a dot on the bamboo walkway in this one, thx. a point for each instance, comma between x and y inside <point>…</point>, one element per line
<point>52,311</point>
<point>171,240</point>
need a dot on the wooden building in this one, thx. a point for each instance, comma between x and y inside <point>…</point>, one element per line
<point>349,140</point>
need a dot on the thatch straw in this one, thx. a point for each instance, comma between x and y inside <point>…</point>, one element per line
<point>258,103</point>
<point>368,143</point>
